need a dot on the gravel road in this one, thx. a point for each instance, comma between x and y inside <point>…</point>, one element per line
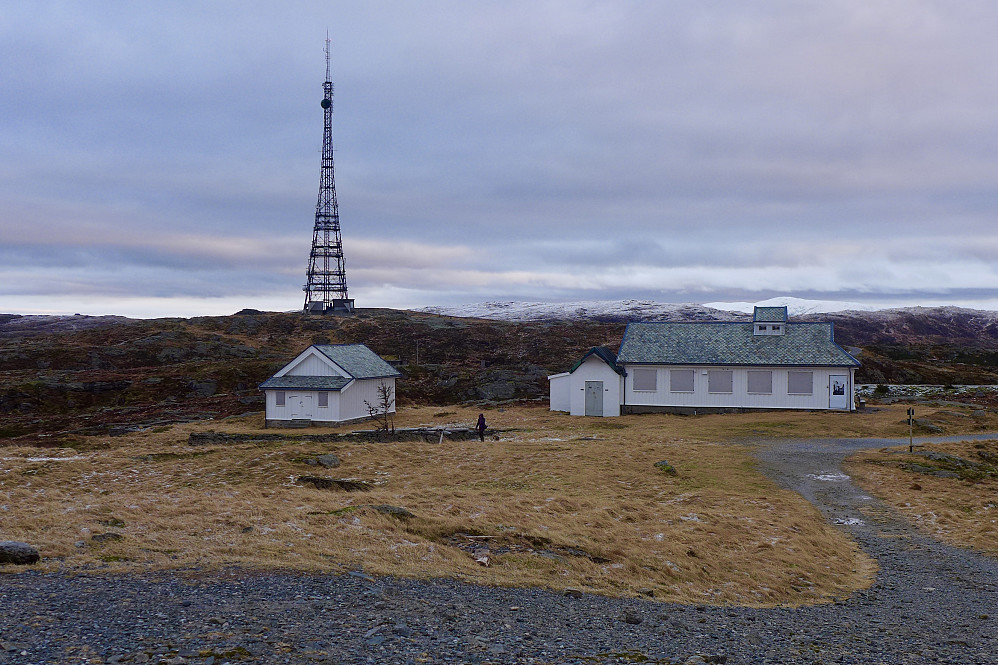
<point>930,603</point>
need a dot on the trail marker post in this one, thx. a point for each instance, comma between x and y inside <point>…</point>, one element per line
<point>911,423</point>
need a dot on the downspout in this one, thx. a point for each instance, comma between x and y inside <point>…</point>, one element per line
<point>623,395</point>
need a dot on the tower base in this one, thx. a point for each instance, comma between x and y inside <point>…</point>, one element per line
<point>338,306</point>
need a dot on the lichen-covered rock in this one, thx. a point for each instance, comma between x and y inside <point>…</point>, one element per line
<point>328,461</point>
<point>19,554</point>
<point>666,468</point>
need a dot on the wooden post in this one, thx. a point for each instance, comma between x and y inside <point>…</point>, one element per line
<point>911,422</point>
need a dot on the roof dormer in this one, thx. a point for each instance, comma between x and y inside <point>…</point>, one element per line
<point>769,321</point>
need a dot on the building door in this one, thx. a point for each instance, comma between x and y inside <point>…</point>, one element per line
<point>301,406</point>
<point>594,398</point>
<point>837,397</point>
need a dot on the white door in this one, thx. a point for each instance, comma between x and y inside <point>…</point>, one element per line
<point>837,393</point>
<point>301,406</point>
<point>594,398</point>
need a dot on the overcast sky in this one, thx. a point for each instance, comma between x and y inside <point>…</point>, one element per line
<point>163,158</point>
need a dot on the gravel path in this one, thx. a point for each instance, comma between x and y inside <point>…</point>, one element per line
<point>930,603</point>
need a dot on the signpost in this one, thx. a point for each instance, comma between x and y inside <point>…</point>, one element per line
<point>911,422</point>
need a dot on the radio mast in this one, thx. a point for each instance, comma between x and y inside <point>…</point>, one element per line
<point>326,288</point>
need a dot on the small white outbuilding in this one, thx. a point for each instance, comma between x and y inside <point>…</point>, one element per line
<point>328,384</point>
<point>592,387</point>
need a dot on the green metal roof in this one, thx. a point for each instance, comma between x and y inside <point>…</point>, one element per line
<point>305,383</point>
<point>770,315</point>
<point>359,361</point>
<point>605,354</point>
<point>666,343</point>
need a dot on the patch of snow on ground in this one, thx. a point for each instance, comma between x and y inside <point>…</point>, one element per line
<point>828,477</point>
<point>849,521</point>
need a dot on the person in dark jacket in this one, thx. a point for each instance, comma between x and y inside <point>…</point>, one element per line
<point>481,426</point>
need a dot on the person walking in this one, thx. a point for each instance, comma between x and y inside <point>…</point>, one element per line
<point>481,426</point>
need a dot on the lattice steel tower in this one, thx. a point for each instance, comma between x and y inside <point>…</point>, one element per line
<point>326,290</point>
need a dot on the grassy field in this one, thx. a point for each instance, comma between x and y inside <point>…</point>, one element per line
<point>549,500</point>
<point>950,490</point>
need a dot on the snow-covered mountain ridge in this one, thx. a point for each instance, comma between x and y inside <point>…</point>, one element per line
<point>648,310</point>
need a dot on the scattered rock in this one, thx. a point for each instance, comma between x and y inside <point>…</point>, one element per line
<point>345,484</point>
<point>19,554</point>
<point>109,537</point>
<point>572,593</point>
<point>631,617</point>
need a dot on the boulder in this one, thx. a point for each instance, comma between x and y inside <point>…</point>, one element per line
<point>19,554</point>
<point>328,461</point>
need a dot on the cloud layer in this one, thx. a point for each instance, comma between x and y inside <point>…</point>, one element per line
<point>162,158</point>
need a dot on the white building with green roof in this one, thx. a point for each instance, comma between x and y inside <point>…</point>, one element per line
<point>700,367</point>
<point>328,384</point>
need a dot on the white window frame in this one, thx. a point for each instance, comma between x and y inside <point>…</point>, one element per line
<point>323,400</point>
<point>672,380</point>
<point>790,383</point>
<point>644,374</point>
<point>279,398</point>
<point>730,383</point>
<point>748,382</point>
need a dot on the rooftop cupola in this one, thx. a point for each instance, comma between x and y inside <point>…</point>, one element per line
<point>769,321</point>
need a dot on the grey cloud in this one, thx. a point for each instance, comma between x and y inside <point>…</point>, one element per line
<point>841,141</point>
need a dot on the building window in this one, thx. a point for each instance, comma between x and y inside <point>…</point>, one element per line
<point>681,380</point>
<point>760,382</point>
<point>323,399</point>
<point>646,379</point>
<point>279,398</point>
<point>719,381</point>
<point>800,383</point>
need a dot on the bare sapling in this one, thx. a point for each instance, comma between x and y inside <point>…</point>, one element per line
<point>382,412</point>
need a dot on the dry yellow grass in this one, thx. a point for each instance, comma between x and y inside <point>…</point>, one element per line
<point>958,511</point>
<point>559,501</point>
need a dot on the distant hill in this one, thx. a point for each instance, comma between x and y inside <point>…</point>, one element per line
<point>62,378</point>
